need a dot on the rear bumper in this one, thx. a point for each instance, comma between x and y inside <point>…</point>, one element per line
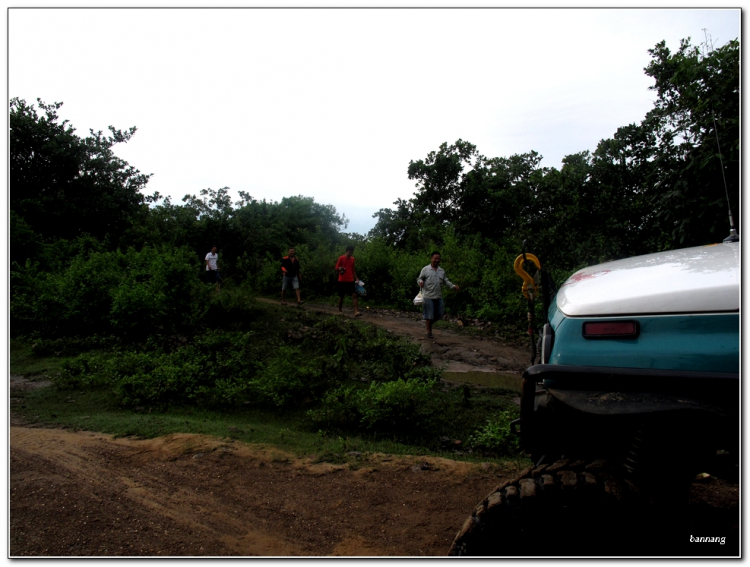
<point>612,391</point>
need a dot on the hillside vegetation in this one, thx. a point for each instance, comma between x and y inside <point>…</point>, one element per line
<point>110,279</point>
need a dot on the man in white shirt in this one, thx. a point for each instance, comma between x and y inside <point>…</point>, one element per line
<point>431,279</point>
<point>212,267</point>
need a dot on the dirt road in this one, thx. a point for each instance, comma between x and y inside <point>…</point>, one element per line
<point>87,494</point>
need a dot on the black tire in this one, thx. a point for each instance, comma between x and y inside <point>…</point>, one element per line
<point>570,509</point>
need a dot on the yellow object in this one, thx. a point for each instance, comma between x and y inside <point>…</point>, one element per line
<point>528,282</point>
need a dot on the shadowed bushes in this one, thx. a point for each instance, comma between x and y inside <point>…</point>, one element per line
<point>134,293</point>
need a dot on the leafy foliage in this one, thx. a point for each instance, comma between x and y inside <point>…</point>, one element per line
<point>696,121</point>
<point>64,185</point>
<point>395,406</point>
<point>495,436</point>
<point>131,292</point>
<point>270,369</point>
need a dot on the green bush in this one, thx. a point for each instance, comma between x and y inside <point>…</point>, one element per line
<point>135,292</point>
<point>156,289</point>
<point>396,406</point>
<point>287,379</point>
<point>214,370</point>
<point>393,405</point>
<point>495,437</point>
<point>390,274</point>
<point>353,348</point>
<point>234,308</point>
<point>83,371</point>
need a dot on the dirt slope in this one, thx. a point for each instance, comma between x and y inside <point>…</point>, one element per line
<point>456,352</point>
<point>87,494</point>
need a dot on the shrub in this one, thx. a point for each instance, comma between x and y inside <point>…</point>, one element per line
<point>390,274</point>
<point>215,370</point>
<point>132,292</point>
<point>288,378</point>
<point>393,405</point>
<point>371,353</point>
<point>399,405</point>
<point>83,371</point>
<point>495,436</point>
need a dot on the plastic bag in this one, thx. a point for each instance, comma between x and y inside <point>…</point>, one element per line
<point>360,288</point>
<point>419,300</point>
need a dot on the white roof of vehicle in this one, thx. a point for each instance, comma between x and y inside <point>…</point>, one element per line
<point>692,280</point>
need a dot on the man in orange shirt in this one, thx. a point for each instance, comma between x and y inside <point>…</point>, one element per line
<point>347,276</point>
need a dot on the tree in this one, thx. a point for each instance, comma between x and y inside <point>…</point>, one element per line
<point>437,201</point>
<point>397,227</point>
<point>62,185</point>
<point>696,121</point>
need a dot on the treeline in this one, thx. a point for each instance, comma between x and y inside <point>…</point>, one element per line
<point>652,186</point>
<point>91,252</point>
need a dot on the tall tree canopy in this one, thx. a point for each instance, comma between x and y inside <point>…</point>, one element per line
<point>696,122</point>
<point>654,185</point>
<point>62,185</point>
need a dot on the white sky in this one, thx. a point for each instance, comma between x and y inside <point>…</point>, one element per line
<point>334,103</point>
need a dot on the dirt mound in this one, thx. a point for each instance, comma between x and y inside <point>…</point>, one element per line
<point>87,494</point>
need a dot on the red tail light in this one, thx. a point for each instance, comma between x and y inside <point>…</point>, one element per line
<point>610,329</point>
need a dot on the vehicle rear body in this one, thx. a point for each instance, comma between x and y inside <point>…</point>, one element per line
<point>653,338</point>
<point>677,310</point>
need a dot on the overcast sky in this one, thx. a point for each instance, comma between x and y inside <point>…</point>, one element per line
<point>334,103</point>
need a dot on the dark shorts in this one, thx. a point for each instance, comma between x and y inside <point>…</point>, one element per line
<point>213,276</point>
<point>286,282</point>
<point>433,309</point>
<point>345,288</point>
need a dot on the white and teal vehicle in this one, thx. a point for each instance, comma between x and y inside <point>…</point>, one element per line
<point>676,311</point>
<point>637,391</point>
<point>653,341</point>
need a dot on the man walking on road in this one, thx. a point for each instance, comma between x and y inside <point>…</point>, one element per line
<point>431,279</point>
<point>347,276</point>
<point>292,275</point>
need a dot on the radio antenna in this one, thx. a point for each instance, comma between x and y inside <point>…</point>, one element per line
<point>733,236</point>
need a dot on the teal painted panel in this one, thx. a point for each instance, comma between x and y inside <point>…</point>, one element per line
<point>702,343</point>
<point>555,315</point>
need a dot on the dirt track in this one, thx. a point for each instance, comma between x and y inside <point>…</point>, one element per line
<point>87,494</point>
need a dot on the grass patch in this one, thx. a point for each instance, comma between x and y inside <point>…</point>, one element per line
<point>96,410</point>
<point>332,458</point>
<point>24,362</point>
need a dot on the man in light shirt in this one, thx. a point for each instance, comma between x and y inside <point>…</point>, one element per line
<point>212,268</point>
<point>431,279</point>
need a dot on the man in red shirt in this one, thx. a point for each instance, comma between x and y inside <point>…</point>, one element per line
<point>347,276</point>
